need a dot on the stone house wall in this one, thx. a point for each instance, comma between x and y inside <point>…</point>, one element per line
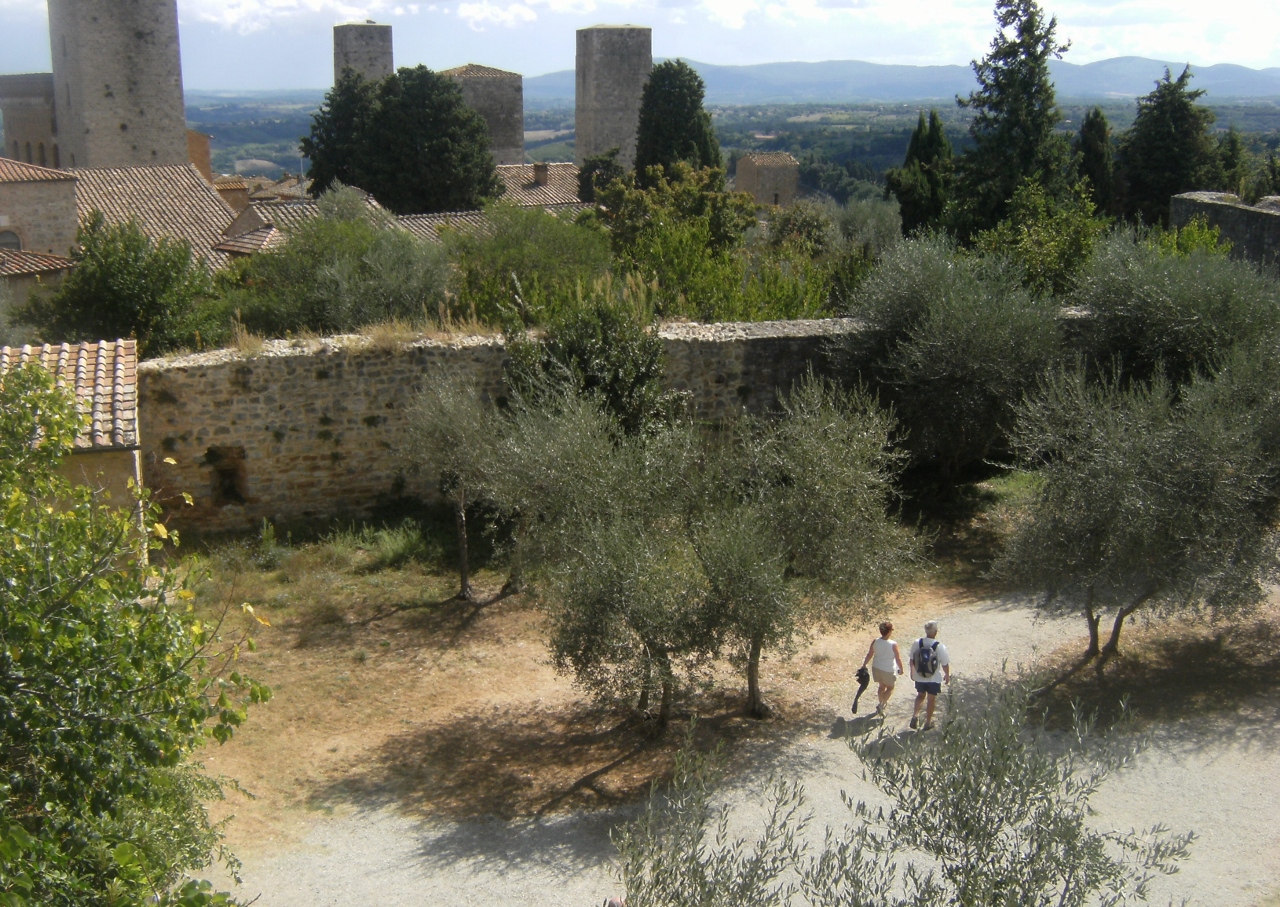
<point>312,429</point>
<point>42,213</point>
<point>772,179</point>
<point>1253,230</point>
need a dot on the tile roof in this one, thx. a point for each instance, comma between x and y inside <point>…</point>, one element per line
<point>104,376</point>
<point>428,226</point>
<point>230,182</point>
<point>16,262</point>
<point>771,158</point>
<point>253,241</point>
<point>286,187</point>
<point>173,201</point>
<point>12,171</point>
<point>561,187</point>
<point>476,71</point>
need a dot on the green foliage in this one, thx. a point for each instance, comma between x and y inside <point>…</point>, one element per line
<point>806,226</point>
<point>1153,312</point>
<point>124,285</point>
<point>525,261</point>
<point>1049,240</point>
<point>1235,163</point>
<point>98,803</point>
<point>1195,237</point>
<point>603,347</point>
<point>951,342</point>
<point>1015,123</point>
<point>673,126</point>
<point>598,172</point>
<point>988,811</point>
<point>1169,150</point>
<point>410,140</point>
<point>1147,498</point>
<point>922,185</point>
<point>345,269</point>
<point>1095,159</point>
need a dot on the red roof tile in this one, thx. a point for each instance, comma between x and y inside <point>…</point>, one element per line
<point>104,376</point>
<point>521,189</point>
<point>12,171</point>
<point>476,71</point>
<point>15,263</point>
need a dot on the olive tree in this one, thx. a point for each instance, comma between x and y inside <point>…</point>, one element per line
<point>1146,499</point>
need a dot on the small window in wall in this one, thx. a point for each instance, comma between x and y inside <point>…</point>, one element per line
<point>10,240</point>
<point>29,161</point>
<point>40,159</point>
<point>775,198</point>
<point>227,484</point>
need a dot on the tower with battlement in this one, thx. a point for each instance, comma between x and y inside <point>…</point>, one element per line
<point>117,83</point>
<point>364,47</point>
<point>613,63</point>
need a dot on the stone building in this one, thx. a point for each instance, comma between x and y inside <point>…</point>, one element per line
<point>1252,230</point>
<point>26,102</point>
<point>37,208</point>
<point>104,377</point>
<point>772,178</point>
<point>498,96</point>
<point>364,47</point>
<point>612,67</point>
<point>21,273</point>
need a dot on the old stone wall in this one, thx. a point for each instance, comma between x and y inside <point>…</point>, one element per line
<point>26,102</point>
<point>1253,230</point>
<point>42,213</point>
<point>364,47</point>
<point>117,75</point>
<point>612,67</point>
<point>772,179</point>
<point>497,96</point>
<point>307,429</point>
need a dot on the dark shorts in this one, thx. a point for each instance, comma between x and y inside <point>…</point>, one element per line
<point>933,688</point>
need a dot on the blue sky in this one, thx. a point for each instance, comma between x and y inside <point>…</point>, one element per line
<point>273,44</point>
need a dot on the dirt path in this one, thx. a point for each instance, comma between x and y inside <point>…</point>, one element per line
<point>1216,777</point>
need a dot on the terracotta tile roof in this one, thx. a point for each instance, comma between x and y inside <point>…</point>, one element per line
<point>230,182</point>
<point>287,187</point>
<point>253,241</point>
<point>428,226</point>
<point>104,376</point>
<point>476,71</point>
<point>771,158</point>
<point>12,171</point>
<point>561,187</point>
<point>173,201</point>
<point>15,263</point>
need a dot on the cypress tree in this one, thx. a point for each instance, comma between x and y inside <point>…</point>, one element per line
<point>673,125</point>
<point>922,184</point>
<point>1095,159</point>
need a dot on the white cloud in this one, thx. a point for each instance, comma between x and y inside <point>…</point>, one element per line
<point>254,15</point>
<point>482,14</point>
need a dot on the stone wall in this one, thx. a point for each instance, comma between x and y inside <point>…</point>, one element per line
<point>364,47</point>
<point>117,74</point>
<point>307,429</point>
<point>612,67</point>
<point>772,179</point>
<point>498,96</point>
<point>1253,230</point>
<point>42,213</point>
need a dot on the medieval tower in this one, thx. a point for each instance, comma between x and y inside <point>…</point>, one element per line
<point>498,96</point>
<point>613,66</point>
<point>117,83</point>
<point>364,47</point>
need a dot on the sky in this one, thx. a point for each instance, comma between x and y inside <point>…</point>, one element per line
<point>280,44</point>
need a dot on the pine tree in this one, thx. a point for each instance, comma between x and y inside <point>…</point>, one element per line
<point>1014,128</point>
<point>1095,160</point>
<point>1169,149</point>
<point>409,140</point>
<point>1236,169</point>
<point>922,184</point>
<point>673,125</point>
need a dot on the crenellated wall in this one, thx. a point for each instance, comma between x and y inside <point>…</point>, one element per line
<point>309,429</point>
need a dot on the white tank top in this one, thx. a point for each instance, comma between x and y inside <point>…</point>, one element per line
<point>882,658</point>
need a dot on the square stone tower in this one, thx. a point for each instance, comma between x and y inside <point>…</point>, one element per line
<point>117,80</point>
<point>364,47</point>
<point>498,96</point>
<point>613,66</point>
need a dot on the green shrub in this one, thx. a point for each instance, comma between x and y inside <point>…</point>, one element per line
<point>525,261</point>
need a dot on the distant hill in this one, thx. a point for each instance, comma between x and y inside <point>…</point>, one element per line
<point>851,81</point>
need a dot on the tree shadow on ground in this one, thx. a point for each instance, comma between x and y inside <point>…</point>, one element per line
<point>1199,684</point>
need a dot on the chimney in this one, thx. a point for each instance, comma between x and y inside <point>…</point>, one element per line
<point>541,173</point>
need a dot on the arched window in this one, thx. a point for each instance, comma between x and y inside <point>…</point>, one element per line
<point>40,155</point>
<point>10,240</point>
<point>29,161</point>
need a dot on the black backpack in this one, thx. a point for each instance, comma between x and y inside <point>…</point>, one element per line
<point>926,658</point>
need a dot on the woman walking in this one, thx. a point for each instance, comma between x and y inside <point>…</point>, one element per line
<point>886,664</point>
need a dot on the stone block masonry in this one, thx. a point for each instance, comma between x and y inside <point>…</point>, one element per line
<point>611,69</point>
<point>364,47</point>
<point>1253,230</point>
<point>310,429</point>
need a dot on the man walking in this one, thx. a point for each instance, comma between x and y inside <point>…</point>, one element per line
<point>928,657</point>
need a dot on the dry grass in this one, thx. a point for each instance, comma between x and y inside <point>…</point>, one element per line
<point>244,340</point>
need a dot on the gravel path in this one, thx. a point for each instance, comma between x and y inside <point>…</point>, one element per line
<point>1217,777</point>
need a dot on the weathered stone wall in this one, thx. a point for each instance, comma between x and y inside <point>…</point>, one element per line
<point>42,213</point>
<point>1253,230</point>
<point>364,47</point>
<point>770,182</point>
<point>307,429</point>
<point>117,75</point>
<point>612,67</point>
<point>498,97</point>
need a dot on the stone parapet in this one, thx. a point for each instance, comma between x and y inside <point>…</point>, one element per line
<point>1253,230</point>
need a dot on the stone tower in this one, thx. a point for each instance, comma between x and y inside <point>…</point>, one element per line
<point>613,66</point>
<point>498,96</point>
<point>117,80</point>
<point>364,47</point>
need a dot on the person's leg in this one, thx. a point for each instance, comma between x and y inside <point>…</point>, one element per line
<point>928,715</point>
<point>886,690</point>
<point>915,712</point>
